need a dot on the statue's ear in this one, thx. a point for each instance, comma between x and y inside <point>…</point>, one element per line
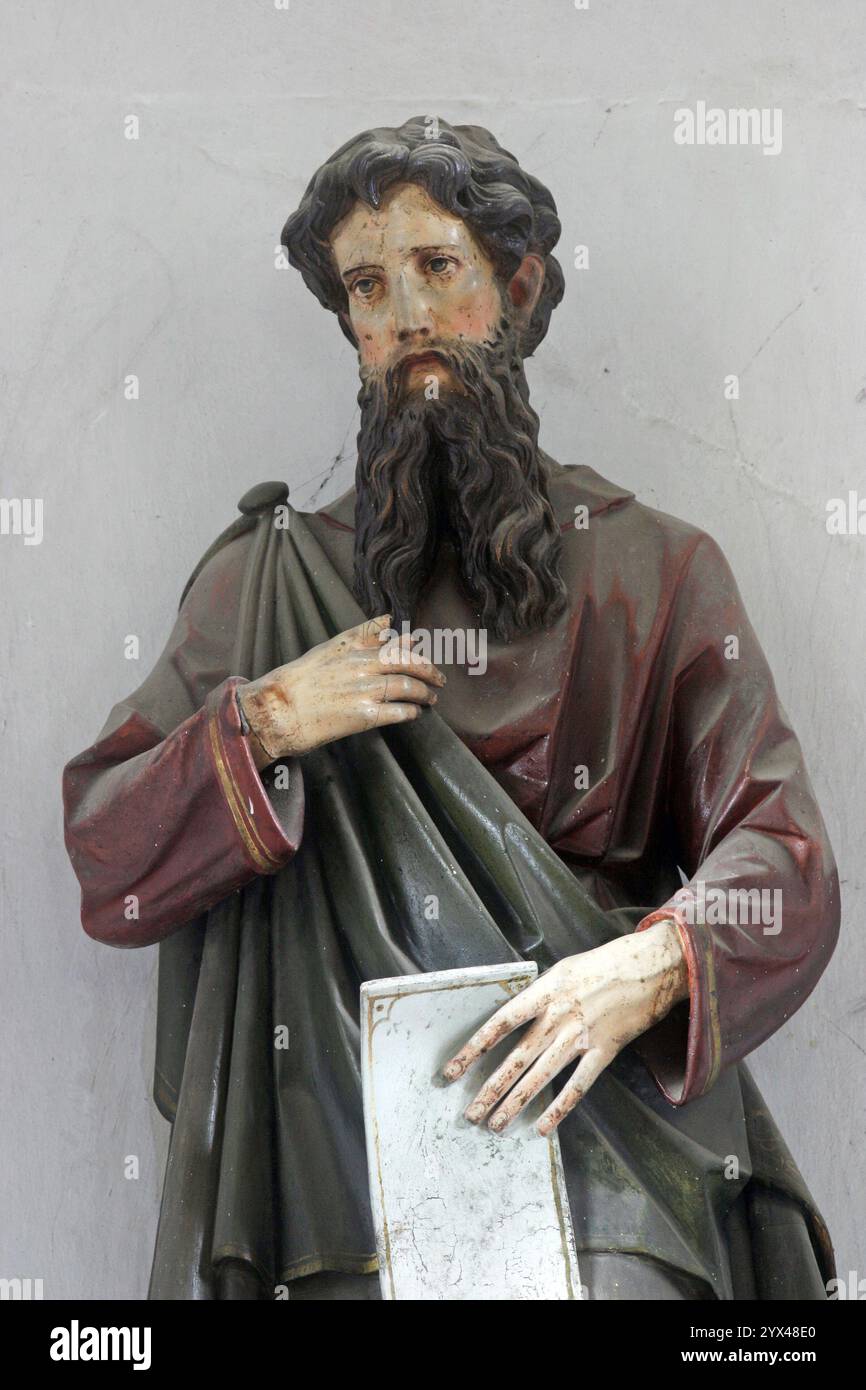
<point>525,285</point>
<point>346,325</point>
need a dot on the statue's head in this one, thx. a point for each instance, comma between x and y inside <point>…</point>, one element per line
<point>433,247</point>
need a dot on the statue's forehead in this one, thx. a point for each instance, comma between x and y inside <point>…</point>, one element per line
<point>407,218</point>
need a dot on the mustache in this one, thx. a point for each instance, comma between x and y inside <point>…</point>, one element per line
<point>465,461</point>
<point>473,366</point>
<point>412,359</point>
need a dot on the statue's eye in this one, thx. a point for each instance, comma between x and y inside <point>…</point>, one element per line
<point>364,286</point>
<point>439,264</point>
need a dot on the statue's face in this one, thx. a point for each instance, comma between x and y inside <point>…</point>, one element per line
<point>415,277</point>
<point>461,461</point>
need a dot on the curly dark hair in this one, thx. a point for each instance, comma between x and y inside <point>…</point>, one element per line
<point>465,170</point>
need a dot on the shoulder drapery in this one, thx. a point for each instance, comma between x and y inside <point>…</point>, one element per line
<point>267,1166</point>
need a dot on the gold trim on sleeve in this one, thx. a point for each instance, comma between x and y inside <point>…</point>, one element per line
<point>255,846</point>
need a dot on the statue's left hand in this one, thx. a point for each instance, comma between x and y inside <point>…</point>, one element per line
<point>591,1004</point>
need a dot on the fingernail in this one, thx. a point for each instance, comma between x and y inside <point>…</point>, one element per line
<point>498,1122</point>
<point>474,1113</point>
<point>452,1071</point>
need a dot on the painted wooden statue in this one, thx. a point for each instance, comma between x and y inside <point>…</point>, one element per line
<point>614,793</point>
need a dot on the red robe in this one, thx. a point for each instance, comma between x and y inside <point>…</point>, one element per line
<point>690,764</point>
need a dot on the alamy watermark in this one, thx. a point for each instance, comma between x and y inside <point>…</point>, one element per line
<point>21,1290</point>
<point>851,1287</point>
<point>846,516</point>
<point>77,1343</point>
<point>708,905</point>
<point>22,516</point>
<point>444,646</point>
<point>712,125</point>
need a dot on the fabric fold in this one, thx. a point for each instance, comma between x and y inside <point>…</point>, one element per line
<point>258,1011</point>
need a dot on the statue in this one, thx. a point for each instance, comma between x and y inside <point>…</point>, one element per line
<point>315,787</point>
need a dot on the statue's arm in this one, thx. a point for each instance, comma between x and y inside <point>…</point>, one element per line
<point>759,918</point>
<point>167,813</point>
<point>747,822</point>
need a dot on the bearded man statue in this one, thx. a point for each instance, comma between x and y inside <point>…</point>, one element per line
<point>300,772</point>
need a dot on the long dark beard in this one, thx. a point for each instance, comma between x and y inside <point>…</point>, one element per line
<point>466,466</point>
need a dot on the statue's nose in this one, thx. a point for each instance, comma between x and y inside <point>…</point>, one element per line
<point>406,334</point>
<point>411,313</point>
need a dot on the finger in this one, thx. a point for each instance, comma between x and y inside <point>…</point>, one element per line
<point>393,713</point>
<point>369,632</point>
<point>517,1011</point>
<point>394,658</point>
<point>531,1045</point>
<point>558,1055</point>
<point>397,642</point>
<point>589,1069</point>
<point>405,688</point>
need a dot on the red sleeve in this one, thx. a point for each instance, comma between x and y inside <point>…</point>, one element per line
<point>159,829</point>
<point>166,813</point>
<point>759,917</point>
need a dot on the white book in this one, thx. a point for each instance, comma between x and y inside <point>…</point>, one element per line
<point>461,1213</point>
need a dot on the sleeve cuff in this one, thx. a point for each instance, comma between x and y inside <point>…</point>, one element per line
<point>267,842</point>
<point>684,1052</point>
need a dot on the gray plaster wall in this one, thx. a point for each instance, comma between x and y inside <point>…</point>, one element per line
<point>156,257</point>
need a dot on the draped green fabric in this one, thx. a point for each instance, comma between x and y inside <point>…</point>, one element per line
<point>266,1175</point>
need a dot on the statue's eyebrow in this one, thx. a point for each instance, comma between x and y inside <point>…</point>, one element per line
<point>353,270</point>
<point>415,249</point>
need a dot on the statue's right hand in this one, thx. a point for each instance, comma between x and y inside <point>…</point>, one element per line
<point>356,681</point>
